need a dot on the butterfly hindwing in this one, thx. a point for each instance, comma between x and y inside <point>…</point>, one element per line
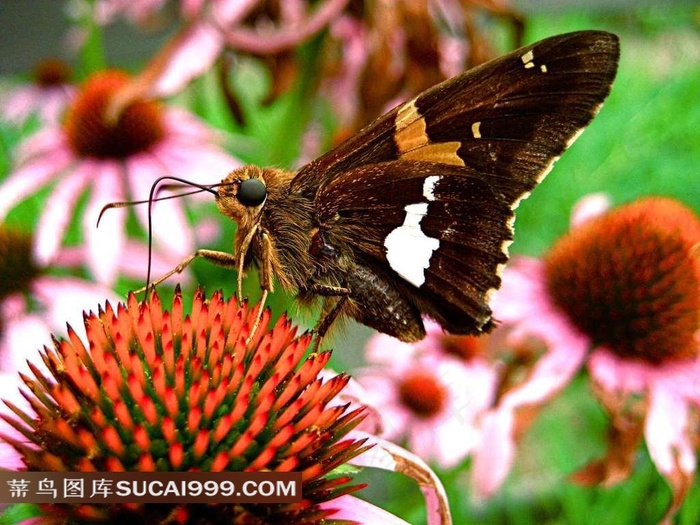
<point>441,230</point>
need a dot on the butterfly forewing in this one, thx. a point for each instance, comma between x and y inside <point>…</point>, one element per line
<point>425,195</point>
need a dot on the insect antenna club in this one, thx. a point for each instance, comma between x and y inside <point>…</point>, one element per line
<point>413,215</point>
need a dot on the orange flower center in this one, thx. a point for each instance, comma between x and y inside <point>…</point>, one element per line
<point>138,127</point>
<point>422,394</point>
<point>464,347</point>
<point>52,72</point>
<point>630,280</point>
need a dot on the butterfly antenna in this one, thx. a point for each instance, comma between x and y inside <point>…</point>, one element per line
<point>152,198</point>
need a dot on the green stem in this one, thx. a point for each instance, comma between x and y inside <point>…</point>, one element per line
<point>92,55</point>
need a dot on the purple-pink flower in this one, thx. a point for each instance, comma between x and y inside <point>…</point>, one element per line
<point>619,294</point>
<point>47,95</point>
<point>427,394</point>
<point>113,161</point>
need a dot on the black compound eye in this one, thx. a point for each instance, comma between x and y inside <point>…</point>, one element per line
<point>251,192</point>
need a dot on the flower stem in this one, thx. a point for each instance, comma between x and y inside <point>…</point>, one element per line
<point>92,54</point>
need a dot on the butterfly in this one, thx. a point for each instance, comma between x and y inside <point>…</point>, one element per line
<point>413,215</point>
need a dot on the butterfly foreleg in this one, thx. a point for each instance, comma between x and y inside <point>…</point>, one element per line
<point>266,274</point>
<point>223,259</point>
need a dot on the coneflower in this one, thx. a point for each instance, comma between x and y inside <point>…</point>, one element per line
<point>157,390</point>
<point>621,293</point>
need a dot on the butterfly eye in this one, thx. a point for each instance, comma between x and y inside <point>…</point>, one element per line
<point>251,192</point>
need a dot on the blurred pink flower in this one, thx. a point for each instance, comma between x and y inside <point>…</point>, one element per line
<point>114,162</point>
<point>429,398</point>
<point>106,11</point>
<point>47,95</point>
<point>620,293</point>
<point>211,26</point>
<point>34,303</point>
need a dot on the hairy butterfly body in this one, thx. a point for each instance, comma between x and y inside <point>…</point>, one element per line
<point>413,215</point>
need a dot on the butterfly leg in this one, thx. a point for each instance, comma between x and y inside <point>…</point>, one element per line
<point>326,319</point>
<point>242,251</point>
<point>224,259</point>
<point>265,278</point>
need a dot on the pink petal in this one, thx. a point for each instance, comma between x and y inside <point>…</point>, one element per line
<point>227,13</point>
<point>170,226</point>
<point>29,178</point>
<point>589,207</point>
<point>389,456</point>
<point>381,392</point>
<point>554,370</point>
<point>9,390</point>
<point>66,298</point>
<point>10,459</point>
<point>134,263</point>
<point>22,337</point>
<point>56,103</point>
<point>192,149</point>
<point>382,349</point>
<point>196,52</point>
<point>522,291</point>
<point>49,143</point>
<point>494,456</point>
<point>666,431</point>
<point>17,105</point>
<point>354,509</point>
<point>105,245</point>
<point>58,211</point>
<point>615,374</point>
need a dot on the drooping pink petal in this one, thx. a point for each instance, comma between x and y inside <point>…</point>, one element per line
<point>192,150</point>
<point>29,178</point>
<point>386,455</point>
<point>381,392</point>
<point>356,510</point>
<point>56,217</point>
<point>48,142</point>
<point>21,335</point>
<point>106,244</point>
<point>382,349</point>
<point>196,52</point>
<point>66,298</point>
<point>618,375</point>
<point>667,433</point>
<point>522,291</point>
<point>171,230</point>
<point>17,104</point>
<point>494,456</point>
<point>555,369</point>
<point>227,13</point>
<point>9,390</point>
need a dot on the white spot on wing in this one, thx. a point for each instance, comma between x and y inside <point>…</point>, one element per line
<point>408,249</point>
<point>476,130</point>
<point>429,187</point>
<point>528,61</point>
